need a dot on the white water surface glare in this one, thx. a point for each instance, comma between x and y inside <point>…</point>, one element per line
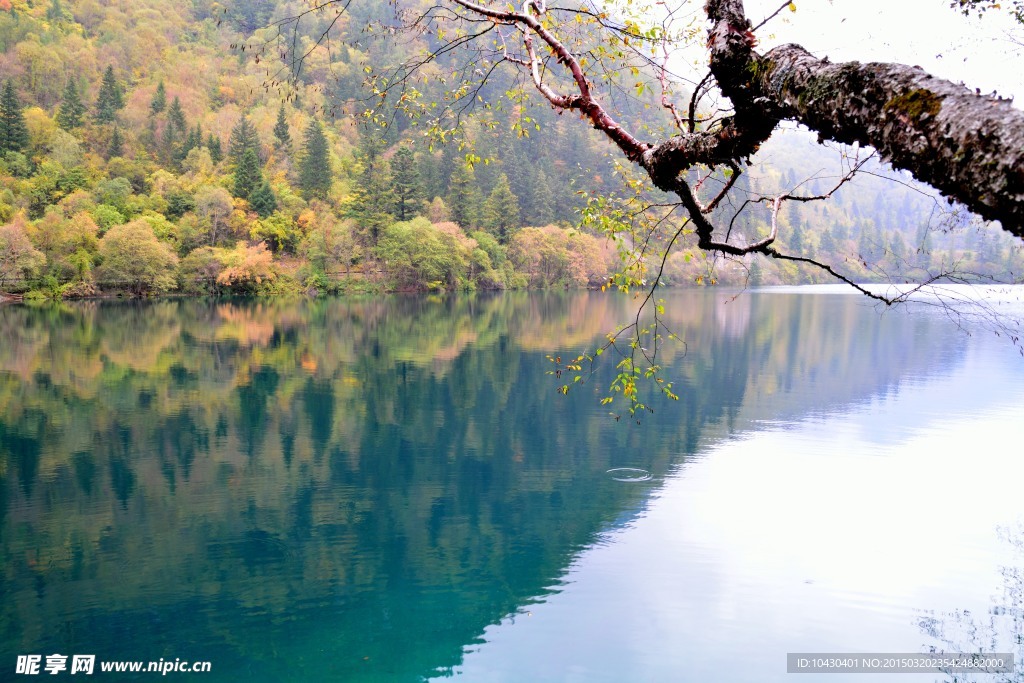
<point>840,532</point>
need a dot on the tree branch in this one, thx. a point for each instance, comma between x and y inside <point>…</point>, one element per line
<point>968,146</point>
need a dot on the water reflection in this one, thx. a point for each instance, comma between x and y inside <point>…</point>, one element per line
<point>355,489</point>
<point>818,534</point>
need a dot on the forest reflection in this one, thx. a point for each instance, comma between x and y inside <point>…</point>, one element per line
<point>251,481</point>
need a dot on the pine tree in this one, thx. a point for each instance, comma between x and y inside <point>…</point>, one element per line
<point>827,243</point>
<point>406,183</point>
<point>55,13</point>
<point>542,202</point>
<point>193,140</point>
<point>110,99</point>
<point>439,183</point>
<point>213,144</point>
<point>13,131</point>
<point>116,144</point>
<point>159,102</point>
<point>248,175</point>
<point>176,116</point>
<point>281,133</point>
<point>176,132</point>
<point>262,200</point>
<point>373,199</point>
<point>169,143</point>
<point>501,211</point>
<point>463,196</point>
<point>514,165</point>
<point>243,137</point>
<point>755,275</point>
<point>71,107</point>
<point>796,237</point>
<point>149,136</point>
<point>315,164</point>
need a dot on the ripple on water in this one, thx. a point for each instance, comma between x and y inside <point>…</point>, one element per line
<point>629,474</point>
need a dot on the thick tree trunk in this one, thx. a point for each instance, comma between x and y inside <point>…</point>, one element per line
<point>968,146</point>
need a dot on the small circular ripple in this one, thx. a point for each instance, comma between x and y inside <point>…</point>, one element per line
<point>629,474</point>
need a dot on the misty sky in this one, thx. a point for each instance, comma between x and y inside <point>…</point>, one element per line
<point>985,53</point>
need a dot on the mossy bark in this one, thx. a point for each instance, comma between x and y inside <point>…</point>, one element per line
<point>967,145</point>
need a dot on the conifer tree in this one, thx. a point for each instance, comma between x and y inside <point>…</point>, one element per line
<point>439,183</point>
<point>262,200</point>
<point>149,136</point>
<point>463,196</point>
<point>243,137</point>
<point>110,99</point>
<point>514,165</point>
<point>796,237</point>
<point>501,211</point>
<point>176,116</point>
<point>281,133</point>
<point>159,101</point>
<point>169,144</point>
<point>406,180</point>
<point>315,163</point>
<point>213,144</point>
<point>542,201</point>
<point>248,175</point>
<point>116,148</point>
<point>55,13</point>
<point>176,132</point>
<point>755,275</point>
<point>13,131</point>
<point>828,242</point>
<point>373,199</point>
<point>71,107</point>
<point>193,140</point>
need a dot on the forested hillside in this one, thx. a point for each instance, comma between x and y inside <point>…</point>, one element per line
<point>145,147</point>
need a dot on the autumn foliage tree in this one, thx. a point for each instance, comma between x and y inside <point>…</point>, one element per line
<point>418,253</point>
<point>134,258</point>
<point>554,256</point>
<point>19,260</point>
<point>329,245</point>
<point>246,267</point>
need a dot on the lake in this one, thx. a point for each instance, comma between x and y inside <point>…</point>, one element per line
<point>392,489</point>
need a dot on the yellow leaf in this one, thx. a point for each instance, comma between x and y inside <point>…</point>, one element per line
<point>792,7</point>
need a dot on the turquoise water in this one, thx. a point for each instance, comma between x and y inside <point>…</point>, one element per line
<point>392,489</point>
